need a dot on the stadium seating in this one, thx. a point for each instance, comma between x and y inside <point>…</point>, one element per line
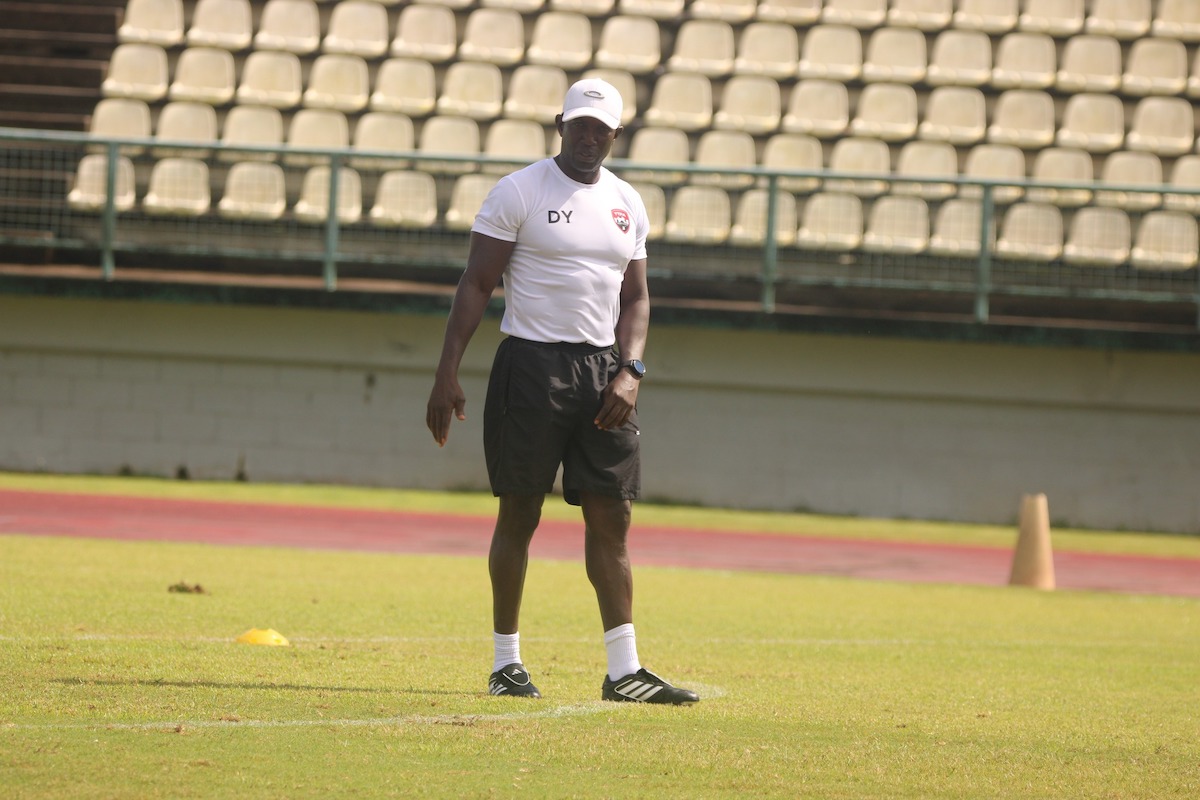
<point>1165,240</point>
<point>767,48</point>
<point>750,217</point>
<point>339,81</point>
<point>427,32</point>
<point>383,131</point>
<point>833,52</point>
<point>818,107</point>
<point>137,71</point>
<point>1185,174</point>
<point>681,100</point>
<point>989,16</point>
<point>629,43</point>
<point>178,187</point>
<point>797,152</point>
<point>792,12</point>
<point>316,128</point>
<point>954,114</point>
<point>926,160</point>
<point>749,103</point>
<point>535,92</point>
<point>1062,165</point>
<point>831,221</point>
<point>205,75</point>
<point>183,121</point>
<point>925,15</point>
<point>1098,94</point>
<point>313,204</point>
<point>897,224</point>
<point>293,26</point>
<point>405,85</point>
<point>960,58</point>
<point>1131,168</point>
<point>449,135</point>
<point>561,39</point>
<point>271,78</point>
<point>655,200</point>
<point>1031,232</point>
<point>895,54</point>
<point>859,155</point>
<point>494,35</point>
<point>660,147</point>
<point>995,162</point>
<point>865,14</point>
<point>1121,19</point>
<point>698,215</point>
<point>405,199</point>
<point>1025,60</point>
<point>254,190</point>
<point>472,89</point>
<point>1098,236</point>
<point>522,140</point>
<point>89,189</point>
<point>157,22</point>
<point>357,27</point>
<point>224,24</point>
<point>121,118</point>
<point>705,46</point>
<point>1090,64</point>
<point>1059,18</point>
<point>255,126</point>
<point>1155,66</point>
<point>957,229</point>
<point>886,111</point>
<point>722,149</point>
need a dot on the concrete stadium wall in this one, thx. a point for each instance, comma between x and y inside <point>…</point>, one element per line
<point>838,424</point>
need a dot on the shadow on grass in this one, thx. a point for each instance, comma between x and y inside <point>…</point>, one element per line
<point>290,687</point>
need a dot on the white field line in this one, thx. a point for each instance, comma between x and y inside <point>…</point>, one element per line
<point>731,641</point>
<point>369,722</point>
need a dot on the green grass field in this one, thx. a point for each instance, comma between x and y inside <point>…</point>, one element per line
<point>111,686</point>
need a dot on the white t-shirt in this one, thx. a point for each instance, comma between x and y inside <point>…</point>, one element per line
<point>573,243</point>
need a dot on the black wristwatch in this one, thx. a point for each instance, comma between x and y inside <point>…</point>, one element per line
<point>636,367</point>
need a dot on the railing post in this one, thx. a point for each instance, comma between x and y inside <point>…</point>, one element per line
<point>108,220</point>
<point>983,284</point>
<point>332,223</point>
<point>770,247</point>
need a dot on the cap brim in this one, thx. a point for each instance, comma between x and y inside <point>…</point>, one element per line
<point>594,113</point>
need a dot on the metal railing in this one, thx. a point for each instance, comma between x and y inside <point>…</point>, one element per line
<point>44,204</point>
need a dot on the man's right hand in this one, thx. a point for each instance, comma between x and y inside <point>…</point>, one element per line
<point>446,400</point>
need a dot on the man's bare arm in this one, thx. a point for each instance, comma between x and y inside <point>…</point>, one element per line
<point>620,396</point>
<point>486,262</point>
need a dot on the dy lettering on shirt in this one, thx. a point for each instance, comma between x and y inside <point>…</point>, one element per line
<point>560,216</point>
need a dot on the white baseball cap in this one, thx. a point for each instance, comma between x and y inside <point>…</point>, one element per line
<point>596,98</point>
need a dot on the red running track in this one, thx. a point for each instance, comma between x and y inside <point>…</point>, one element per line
<point>134,518</point>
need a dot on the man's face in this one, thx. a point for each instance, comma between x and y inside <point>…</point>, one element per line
<point>586,143</point>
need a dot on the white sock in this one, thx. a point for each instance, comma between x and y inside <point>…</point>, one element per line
<point>507,650</point>
<point>621,644</point>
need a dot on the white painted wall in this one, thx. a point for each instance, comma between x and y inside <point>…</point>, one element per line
<point>851,425</point>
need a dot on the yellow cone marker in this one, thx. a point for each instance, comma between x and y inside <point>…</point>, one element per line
<point>1033,561</point>
<point>268,636</point>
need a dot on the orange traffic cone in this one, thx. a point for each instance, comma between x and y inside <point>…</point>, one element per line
<point>1033,560</point>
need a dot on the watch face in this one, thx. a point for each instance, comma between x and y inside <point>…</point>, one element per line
<point>639,369</point>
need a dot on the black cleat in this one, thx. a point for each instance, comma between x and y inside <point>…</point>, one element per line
<point>513,681</point>
<point>644,686</point>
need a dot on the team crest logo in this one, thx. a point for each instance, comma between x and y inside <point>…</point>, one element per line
<point>621,217</point>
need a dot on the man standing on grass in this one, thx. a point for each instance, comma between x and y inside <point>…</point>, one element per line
<point>569,239</point>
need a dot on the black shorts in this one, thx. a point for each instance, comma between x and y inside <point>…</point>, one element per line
<point>540,412</point>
